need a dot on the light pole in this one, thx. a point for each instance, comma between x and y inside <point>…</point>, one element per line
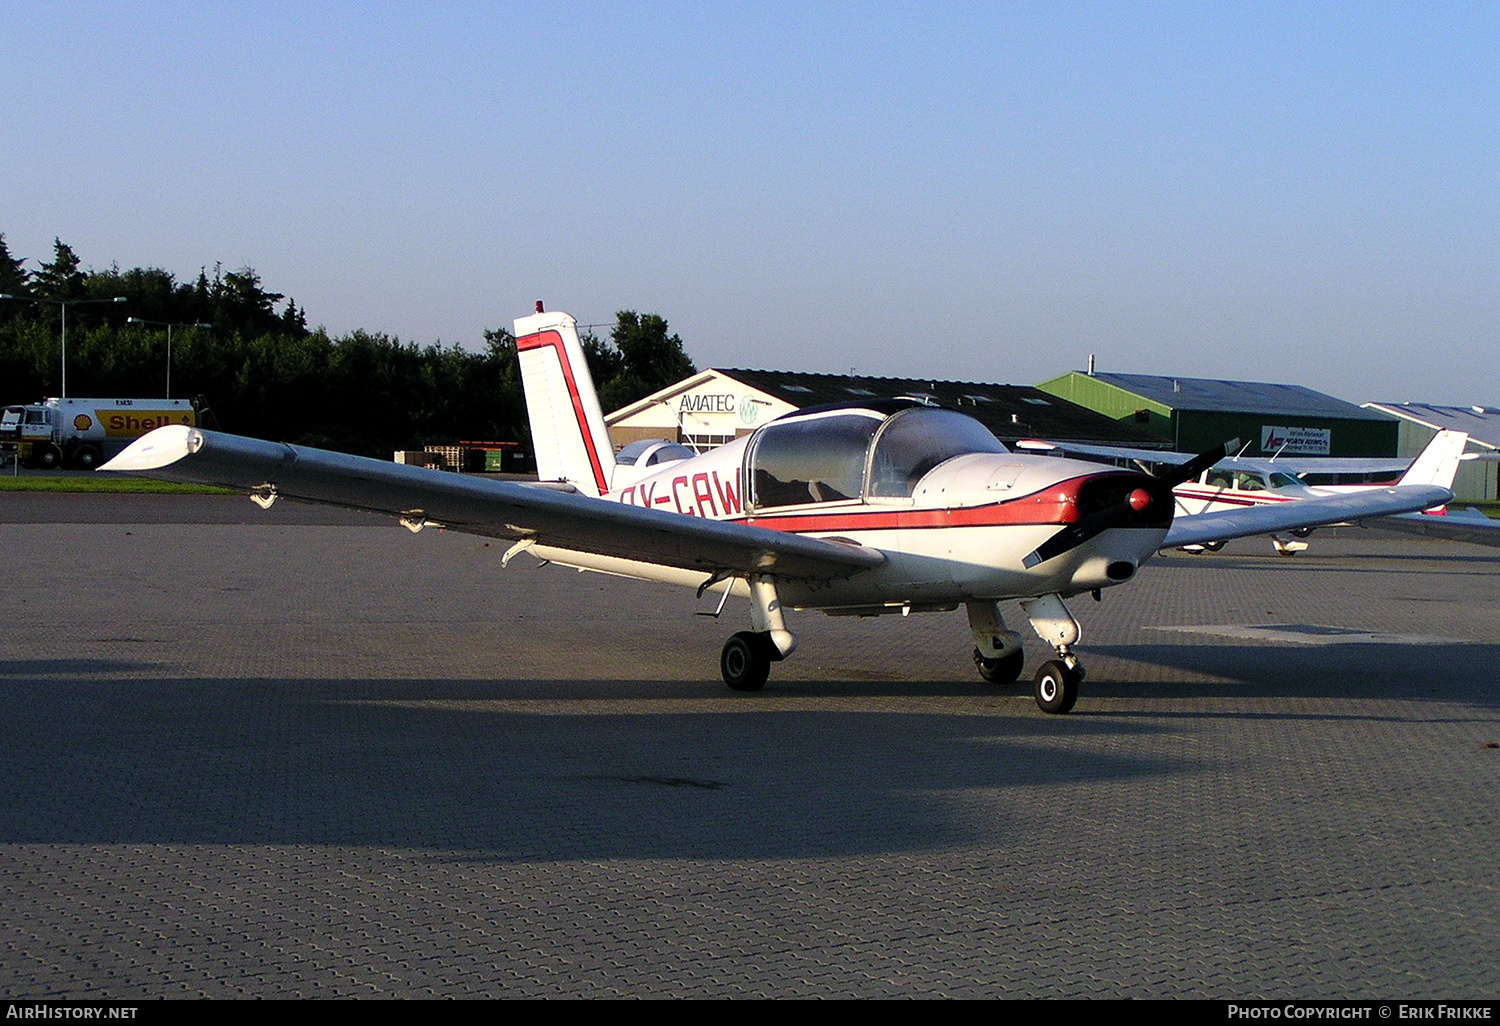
<point>64,303</point>
<point>169,325</point>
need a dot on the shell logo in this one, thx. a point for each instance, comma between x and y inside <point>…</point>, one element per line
<point>83,422</point>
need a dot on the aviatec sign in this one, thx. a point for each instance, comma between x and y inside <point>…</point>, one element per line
<point>708,402</point>
<point>746,408</point>
<point>1295,441</point>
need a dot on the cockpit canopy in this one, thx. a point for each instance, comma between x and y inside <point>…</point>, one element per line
<point>1251,481</point>
<point>860,452</point>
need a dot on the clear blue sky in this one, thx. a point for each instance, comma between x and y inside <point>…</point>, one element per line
<point>1292,192</point>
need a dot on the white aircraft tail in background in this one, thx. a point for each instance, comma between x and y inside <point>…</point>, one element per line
<point>567,425</point>
<point>1438,463</point>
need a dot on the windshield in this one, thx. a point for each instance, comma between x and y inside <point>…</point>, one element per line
<point>11,417</point>
<point>819,459</point>
<point>916,440</point>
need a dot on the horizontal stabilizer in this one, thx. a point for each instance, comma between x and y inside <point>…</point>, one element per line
<point>1470,526</point>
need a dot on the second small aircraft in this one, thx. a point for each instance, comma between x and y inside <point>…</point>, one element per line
<point>1238,482</point>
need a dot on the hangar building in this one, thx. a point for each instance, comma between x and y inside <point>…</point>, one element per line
<point>1195,414</point>
<point>1477,480</point>
<point>717,405</point>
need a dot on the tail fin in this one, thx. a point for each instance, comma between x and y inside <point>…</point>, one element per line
<point>567,425</point>
<point>1439,461</point>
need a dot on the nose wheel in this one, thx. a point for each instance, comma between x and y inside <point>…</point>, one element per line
<point>1057,686</point>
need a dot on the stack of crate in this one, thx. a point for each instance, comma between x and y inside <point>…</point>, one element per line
<point>448,457</point>
<point>470,457</point>
<point>416,458</point>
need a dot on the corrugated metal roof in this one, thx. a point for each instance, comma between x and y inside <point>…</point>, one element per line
<point>1237,396</point>
<point>1481,422</point>
<point>1010,411</point>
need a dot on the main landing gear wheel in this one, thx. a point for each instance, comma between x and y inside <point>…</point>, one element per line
<point>1004,670</point>
<point>1056,687</point>
<point>745,662</point>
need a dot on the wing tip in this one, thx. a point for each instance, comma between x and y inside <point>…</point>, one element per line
<point>157,449</point>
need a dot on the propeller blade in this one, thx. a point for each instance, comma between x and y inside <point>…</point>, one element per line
<point>1074,535</point>
<point>1197,465</point>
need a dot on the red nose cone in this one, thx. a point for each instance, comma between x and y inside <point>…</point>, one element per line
<point>1139,499</point>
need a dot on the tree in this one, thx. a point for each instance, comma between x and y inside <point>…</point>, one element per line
<point>150,292</point>
<point>647,351</point>
<point>649,359</point>
<point>61,279</point>
<point>293,320</point>
<point>603,358</point>
<point>235,301</point>
<point>242,292</point>
<point>240,304</point>
<point>14,279</point>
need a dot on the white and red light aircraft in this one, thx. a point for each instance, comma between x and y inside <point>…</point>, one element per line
<point>887,506</point>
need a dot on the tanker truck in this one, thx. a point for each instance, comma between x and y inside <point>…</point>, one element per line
<point>83,433</point>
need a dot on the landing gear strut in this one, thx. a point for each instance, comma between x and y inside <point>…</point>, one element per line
<point>1057,680</point>
<point>1290,546</point>
<point>747,657</point>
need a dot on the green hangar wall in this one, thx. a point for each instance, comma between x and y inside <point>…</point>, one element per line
<point>1194,414</point>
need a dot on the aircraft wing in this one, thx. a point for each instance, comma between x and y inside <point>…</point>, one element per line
<point>1319,464</point>
<point>1469,526</point>
<point>1319,512</point>
<point>1265,464</point>
<point>1106,452</point>
<point>499,509</point>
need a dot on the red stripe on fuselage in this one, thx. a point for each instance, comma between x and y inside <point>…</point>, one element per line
<point>1236,498</point>
<point>1056,504</point>
<point>541,340</point>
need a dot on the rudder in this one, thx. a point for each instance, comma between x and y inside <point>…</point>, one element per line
<point>1438,463</point>
<point>567,425</point>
